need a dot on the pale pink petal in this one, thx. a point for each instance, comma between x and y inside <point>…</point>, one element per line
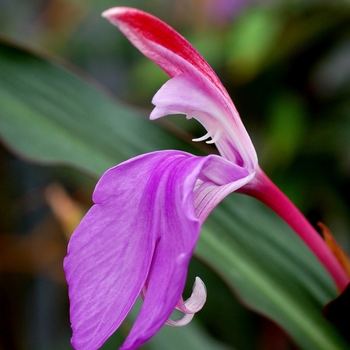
<point>182,94</point>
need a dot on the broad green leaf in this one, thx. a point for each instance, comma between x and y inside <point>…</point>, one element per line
<point>48,114</point>
<point>83,127</point>
<point>270,268</point>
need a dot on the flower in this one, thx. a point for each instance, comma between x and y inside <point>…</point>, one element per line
<point>140,234</point>
<point>222,11</point>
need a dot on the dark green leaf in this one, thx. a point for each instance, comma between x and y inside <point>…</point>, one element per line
<point>50,115</point>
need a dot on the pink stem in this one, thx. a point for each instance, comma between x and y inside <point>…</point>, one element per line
<point>263,189</point>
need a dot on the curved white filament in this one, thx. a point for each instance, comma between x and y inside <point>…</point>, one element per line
<point>217,134</point>
<point>216,137</point>
<point>207,135</point>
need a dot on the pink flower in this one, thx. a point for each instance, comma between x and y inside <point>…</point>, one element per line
<point>140,234</point>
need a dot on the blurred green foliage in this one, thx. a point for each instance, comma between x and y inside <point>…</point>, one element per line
<point>286,65</point>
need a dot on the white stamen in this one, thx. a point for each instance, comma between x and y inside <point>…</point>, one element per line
<point>216,137</point>
<point>202,138</point>
<point>210,133</point>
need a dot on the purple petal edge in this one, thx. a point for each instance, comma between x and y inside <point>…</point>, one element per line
<point>121,244</point>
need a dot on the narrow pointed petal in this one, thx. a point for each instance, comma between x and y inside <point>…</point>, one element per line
<point>163,45</point>
<point>175,55</point>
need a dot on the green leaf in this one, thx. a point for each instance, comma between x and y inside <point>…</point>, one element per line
<point>270,268</point>
<point>50,115</point>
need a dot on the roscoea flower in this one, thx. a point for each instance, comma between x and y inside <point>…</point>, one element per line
<point>140,234</point>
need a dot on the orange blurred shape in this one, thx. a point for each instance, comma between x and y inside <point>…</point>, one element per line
<point>337,251</point>
<point>67,211</point>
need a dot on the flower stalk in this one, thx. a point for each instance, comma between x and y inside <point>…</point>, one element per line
<point>140,234</point>
<point>263,189</point>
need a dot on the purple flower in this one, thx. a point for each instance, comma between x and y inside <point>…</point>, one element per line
<point>139,236</point>
<point>222,11</point>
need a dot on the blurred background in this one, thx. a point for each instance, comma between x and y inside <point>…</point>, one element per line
<point>286,65</point>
